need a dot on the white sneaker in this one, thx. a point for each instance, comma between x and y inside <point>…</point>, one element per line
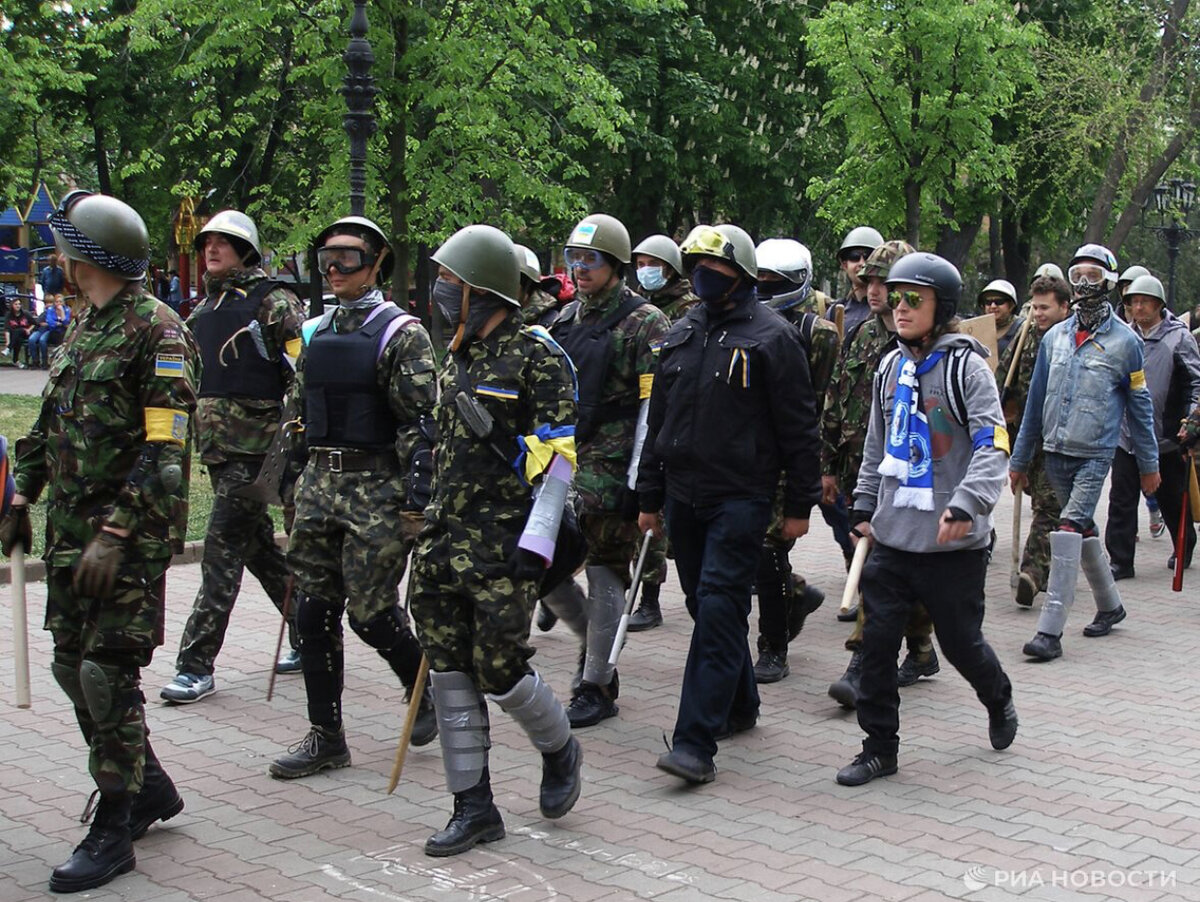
<point>1157,525</point>
<point>187,688</point>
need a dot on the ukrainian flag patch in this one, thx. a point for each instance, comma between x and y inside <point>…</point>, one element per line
<point>169,365</point>
<point>495,391</point>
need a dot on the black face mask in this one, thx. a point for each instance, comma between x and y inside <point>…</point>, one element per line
<point>712,287</point>
<point>449,300</point>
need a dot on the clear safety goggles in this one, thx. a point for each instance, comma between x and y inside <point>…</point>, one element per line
<point>584,259</point>
<point>1089,274</point>
<point>345,260</point>
<point>707,241</point>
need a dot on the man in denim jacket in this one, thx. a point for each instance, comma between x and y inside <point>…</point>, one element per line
<point>1089,374</point>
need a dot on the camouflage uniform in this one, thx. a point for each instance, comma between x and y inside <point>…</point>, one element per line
<point>353,529</point>
<point>115,413</point>
<point>233,435</point>
<point>471,614</point>
<point>844,433</point>
<point>779,588</point>
<point>673,301</point>
<point>1036,557</point>
<point>540,309</point>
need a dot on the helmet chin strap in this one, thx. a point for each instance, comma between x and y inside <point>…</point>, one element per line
<point>457,341</point>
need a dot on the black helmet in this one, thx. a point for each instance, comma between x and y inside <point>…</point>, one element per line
<point>938,273</point>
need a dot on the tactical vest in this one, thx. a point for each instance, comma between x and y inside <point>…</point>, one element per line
<point>241,372</point>
<point>590,348</point>
<point>344,405</point>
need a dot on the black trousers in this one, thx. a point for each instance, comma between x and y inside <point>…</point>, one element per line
<point>1125,500</point>
<point>950,585</point>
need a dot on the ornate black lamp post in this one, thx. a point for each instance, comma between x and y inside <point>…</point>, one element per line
<point>359,90</point>
<point>1169,205</point>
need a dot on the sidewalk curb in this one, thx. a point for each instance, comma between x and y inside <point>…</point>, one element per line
<point>35,570</point>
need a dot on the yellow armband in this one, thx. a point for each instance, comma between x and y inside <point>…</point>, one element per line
<point>166,425</point>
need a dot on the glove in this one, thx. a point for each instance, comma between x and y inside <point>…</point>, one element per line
<point>96,573</point>
<point>525,565</point>
<point>15,529</point>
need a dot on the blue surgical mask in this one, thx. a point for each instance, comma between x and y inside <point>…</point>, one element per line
<point>652,278</point>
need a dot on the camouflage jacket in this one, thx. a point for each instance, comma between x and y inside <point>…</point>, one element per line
<point>604,459</point>
<point>1014,397</point>
<point>674,300</point>
<point>524,382</point>
<point>848,402</point>
<point>406,373</point>
<point>245,427</point>
<point>821,345</point>
<point>115,411</point>
<point>540,309</point>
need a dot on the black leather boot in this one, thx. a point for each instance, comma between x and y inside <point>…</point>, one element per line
<point>560,779</point>
<point>106,852</point>
<point>475,820</point>
<point>425,728</point>
<point>649,613</point>
<point>845,690</point>
<point>157,800</point>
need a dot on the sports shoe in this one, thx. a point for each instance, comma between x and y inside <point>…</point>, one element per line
<point>916,665</point>
<point>1157,524</point>
<point>1104,622</point>
<point>319,750</point>
<point>865,768</point>
<point>289,663</point>
<point>591,704</point>
<point>1002,726</point>
<point>187,688</point>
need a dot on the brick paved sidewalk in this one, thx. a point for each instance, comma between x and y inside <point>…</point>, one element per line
<point>1099,780</point>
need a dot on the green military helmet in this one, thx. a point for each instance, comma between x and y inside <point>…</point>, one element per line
<point>1132,273</point>
<point>485,258</point>
<point>879,264</point>
<point>863,237</point>
<point>1050,270</point>
<point>103,231</point>
<point>232,224</point>
<point>603,233</point>
<point>724,242</point>
<point>1149,286</point>
<point>662,247</point>
<point>530,265</point>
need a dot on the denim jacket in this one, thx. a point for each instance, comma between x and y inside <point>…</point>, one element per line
<point>1078,396</point>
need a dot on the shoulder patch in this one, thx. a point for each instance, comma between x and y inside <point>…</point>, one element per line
<point>168,365</point>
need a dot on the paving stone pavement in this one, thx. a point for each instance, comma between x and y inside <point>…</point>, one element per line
<point>1096,799</point>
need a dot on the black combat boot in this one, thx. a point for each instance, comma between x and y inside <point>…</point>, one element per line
<point>845,690</point>
<point>157,800</point>
<point>772,665</point>
<point>809,600</point>
<point>591,703</point>
<point>320,750</point>
<point>649,614</point>
<point>106,852</point>
<point>546,618</point>
<point>916,664</point>
<point>425,729</point>
<point>560,779</point>
<point>476,819</point>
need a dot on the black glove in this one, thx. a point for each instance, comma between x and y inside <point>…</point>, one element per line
<point>629,507</point>
<point>96,572</point>
<point>525,565</point>
<point>15,529</point>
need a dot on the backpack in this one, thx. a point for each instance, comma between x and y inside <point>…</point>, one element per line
<point>954,373</point>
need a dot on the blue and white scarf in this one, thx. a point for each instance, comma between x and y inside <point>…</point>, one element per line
<point>908,454</point>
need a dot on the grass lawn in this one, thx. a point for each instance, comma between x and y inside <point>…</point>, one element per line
<point>17,413</point>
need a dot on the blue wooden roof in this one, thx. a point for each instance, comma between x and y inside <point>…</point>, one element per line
<point>11,218</point>
<point>41,206</point>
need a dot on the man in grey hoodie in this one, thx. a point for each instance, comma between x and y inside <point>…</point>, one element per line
<point>932,470</point>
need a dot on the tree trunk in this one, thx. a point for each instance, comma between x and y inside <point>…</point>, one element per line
<point>912,211</point>
<point>1014,231</point>
<point>954,245</point>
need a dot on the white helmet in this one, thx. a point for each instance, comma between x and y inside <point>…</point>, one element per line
<point>786,258</point>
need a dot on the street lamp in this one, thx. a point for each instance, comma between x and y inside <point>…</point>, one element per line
<point>1172,202</point>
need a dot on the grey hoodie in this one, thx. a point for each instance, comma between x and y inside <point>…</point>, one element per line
<point>965,477</point>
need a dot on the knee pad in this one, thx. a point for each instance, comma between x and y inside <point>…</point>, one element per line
<point>384,631</point>
<point>107,685</point>
<point>67,675</point>
<point>317,619</point>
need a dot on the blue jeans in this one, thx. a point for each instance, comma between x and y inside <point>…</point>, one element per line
<point>717,548</point>
<point>838,519</point>
<point>1078,482</point>
<point>37,348</point>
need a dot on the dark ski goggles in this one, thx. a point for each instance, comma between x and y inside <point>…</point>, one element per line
<point>346,260</point>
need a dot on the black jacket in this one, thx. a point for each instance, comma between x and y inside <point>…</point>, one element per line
<point>732,405</point>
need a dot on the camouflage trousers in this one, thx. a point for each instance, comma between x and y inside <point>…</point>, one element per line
<point>240,536</point>
<point>118,636</point>
<point>1036,558</point>
<point>654,570</point>
<point>612,542</point>
<point>472,616</point>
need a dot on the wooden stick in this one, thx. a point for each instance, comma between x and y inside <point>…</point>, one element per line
<point>1014,575</point>
<point>287,608</point>
<point>410,720</point>
<point>1181,543</point>
<point>20,627</point>
<point>1012,369</point>
<point>856,568</point>
<point>1193,487</point>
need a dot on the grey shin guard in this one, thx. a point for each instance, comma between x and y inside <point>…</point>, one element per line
<point>533,705</point>
<point>1060,587</point>
<point>569,603</point>
<point>1099,575</point>
<point>606,603</point>
<point>463,728</point>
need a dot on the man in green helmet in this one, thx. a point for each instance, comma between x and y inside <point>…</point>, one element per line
<point>111,447</point>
